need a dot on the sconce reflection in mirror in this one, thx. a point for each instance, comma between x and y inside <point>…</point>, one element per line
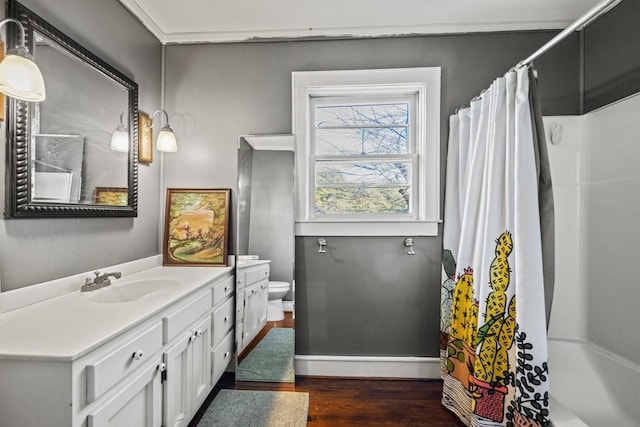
<point>120,137</point>
<point>166,138</point>
<point>20,76</point>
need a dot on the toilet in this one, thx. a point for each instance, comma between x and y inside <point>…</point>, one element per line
<point>277,291</point>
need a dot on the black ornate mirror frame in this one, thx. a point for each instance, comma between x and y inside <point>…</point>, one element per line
<point>19,202</point>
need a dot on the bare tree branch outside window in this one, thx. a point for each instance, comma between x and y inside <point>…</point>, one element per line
<point>364,162</point>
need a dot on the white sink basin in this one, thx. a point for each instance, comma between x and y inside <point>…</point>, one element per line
<point>132,291</point>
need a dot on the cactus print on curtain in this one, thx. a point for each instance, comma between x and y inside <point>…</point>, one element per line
<point>493,329</point>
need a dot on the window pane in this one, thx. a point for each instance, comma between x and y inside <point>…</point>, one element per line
<point>365,174</point>
<point>353,200</point>
<point>389,140</point>
<point>367,115</point>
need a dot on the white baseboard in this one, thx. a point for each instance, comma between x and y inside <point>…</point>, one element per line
<point>368,366</point>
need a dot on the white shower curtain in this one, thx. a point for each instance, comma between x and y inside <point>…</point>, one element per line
<point>493,328</point>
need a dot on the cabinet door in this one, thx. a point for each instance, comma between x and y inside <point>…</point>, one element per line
<point>200,362</point>
<point>178,383</point>
<point>239,319</point>
<point>263,294</point>
<point>251,314</point>
<point>137,404</point>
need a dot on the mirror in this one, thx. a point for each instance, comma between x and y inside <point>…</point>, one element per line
<point>265,230</point>
<point>60,161</point>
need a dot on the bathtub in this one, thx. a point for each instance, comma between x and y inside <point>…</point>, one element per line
<point>592,387</point>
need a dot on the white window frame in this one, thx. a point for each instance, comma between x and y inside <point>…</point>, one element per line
<point>425,83</point>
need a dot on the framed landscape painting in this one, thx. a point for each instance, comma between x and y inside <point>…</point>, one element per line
<point>196,227</point>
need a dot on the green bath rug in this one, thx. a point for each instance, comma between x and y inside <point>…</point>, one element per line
<point>244,408</point>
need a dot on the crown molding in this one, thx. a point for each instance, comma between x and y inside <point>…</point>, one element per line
<point>135,9</point>
<point>361,32</point>
<point>304,33</point>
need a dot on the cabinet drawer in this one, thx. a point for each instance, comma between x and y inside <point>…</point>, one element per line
<point>256,274</point>
<point>222,290</point>
<point>109,370</point>
<point>222,355</point>
<point>177,321</point>
<point>222,320</point>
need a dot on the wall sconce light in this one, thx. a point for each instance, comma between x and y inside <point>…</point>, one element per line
<point>120,137</point>
<point>20,76</point>
<point>166,138</point>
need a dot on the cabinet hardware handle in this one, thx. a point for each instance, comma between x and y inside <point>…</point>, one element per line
<point>226,288</point>
<point>226,355</point>
<point>199,333</point>
<point>162,367</point>
<point>226,318</point>
<point>137,355</point>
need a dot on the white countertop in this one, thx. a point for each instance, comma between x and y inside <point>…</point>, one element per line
<point>68,326</point>
<point>251,262</point>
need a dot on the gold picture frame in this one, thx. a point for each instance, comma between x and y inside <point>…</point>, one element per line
<point>111,196</point>
<point>196,227</point>
<point>145,139</point>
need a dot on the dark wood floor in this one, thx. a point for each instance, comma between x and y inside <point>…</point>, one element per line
<point>354,401</point>
<point>360,402</point>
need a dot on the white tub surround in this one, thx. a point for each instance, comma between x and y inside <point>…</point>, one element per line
<point>591,386</point>
<point>148,361</point>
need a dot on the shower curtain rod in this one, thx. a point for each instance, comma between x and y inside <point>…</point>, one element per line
<point>593,14</point>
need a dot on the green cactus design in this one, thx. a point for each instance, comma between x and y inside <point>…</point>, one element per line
<point>446,290</point>
<point>495,337</point>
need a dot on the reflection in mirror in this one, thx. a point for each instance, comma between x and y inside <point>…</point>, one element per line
<point>61,156</point>
<point>57,168</point>
<point>92,114</point>
<point>265,236</point>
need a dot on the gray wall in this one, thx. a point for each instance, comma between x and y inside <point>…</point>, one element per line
<point>243,197</point>
<point>217,92</point>
<point>612,62</point>
<point>36,250</point>
<point>271,227</point>
<point>365,296</point>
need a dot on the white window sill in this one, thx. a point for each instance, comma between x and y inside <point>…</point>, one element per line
<point>366,228</point>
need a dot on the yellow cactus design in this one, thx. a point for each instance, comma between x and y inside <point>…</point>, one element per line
<point>464,312</point>
<point>495,337</point>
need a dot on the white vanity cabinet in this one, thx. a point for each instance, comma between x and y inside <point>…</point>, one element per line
<point>252,280</point>
<point>188,373</point>
<point>156,372</point>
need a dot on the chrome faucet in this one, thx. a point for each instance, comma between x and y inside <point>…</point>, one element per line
<point>100,281</point>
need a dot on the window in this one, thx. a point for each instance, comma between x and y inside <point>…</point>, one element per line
<point>367,151</point>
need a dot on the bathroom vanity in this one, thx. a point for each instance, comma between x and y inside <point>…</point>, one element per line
<point>145,351</point>
<point>252,287</point>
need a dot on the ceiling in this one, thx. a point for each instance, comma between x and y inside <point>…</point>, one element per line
<point>215,21</point>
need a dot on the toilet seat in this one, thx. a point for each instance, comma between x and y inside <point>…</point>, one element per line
<point>278,285</point>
